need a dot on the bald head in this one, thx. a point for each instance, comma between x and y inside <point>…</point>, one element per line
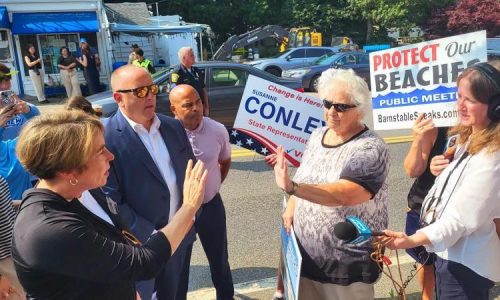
<point>180,92</point>
<point>125,81</point>
<point>186,105</point>
<point>125,77</point>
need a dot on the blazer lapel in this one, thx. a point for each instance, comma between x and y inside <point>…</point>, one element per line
<point>132,141</point>
<point>175,150</point>
<point>109,206</point>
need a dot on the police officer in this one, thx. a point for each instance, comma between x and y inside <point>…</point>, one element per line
<point>185,73</point>
<point>142,62</point>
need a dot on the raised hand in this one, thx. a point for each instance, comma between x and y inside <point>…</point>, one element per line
<point>438,164</point>
<point>6,113</point>
<point>281,171</point>
<point>194,184</point>
<point>271,159</point>
<point>21,106</point>
<point>422,126</point>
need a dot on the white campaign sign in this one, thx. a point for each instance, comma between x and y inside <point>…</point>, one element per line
<point>421,78</point>
<point>276,115</point>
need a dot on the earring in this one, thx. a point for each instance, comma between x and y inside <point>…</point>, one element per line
<point>73,181</point>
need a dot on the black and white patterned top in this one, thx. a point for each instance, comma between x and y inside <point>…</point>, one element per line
<point>364,159</point>
<point>7,216</point>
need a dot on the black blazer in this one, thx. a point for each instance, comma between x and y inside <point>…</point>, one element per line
<point>63,251</point>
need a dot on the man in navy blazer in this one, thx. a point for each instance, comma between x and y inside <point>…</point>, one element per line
<point>146,177</point>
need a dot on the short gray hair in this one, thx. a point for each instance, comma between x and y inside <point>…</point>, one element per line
<point>183,50</point>
<point>357,88</point>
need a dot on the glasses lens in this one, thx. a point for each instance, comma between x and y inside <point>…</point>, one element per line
<point>154,89</point>
<point>327,104</point>
<point>141,92</point>
<point>341,107</point>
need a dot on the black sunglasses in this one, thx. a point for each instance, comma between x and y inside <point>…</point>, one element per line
<point>339,107</point>
<point>142,91</point>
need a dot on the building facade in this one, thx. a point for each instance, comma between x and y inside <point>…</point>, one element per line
<point>50,25</point>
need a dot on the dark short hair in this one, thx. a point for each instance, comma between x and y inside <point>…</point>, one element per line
<point>4,72</point>
<point>139,52</point>
<point>135,46</point>
<point>81,103</point>
<point>62,48</point>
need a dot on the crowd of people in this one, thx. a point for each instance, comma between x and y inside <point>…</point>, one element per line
<point>68,65</point>
<point>89,228</point>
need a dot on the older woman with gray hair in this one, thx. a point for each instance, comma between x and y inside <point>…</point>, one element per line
<point>342,173</point>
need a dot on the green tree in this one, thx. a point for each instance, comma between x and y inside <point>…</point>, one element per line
<point>465,16</point>
<point>380,14</point>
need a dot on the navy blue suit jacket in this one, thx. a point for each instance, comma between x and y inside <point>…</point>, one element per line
<point>134,181</point>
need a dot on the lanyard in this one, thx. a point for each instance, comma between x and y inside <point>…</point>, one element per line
<point>434,201</point>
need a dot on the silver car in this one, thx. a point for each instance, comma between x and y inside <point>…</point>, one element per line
<point>291,58</point>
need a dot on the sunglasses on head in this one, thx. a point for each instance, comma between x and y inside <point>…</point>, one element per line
<point>339,107</point>
<point>142,91</point>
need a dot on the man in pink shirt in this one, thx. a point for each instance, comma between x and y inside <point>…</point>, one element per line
<point>210,142</point>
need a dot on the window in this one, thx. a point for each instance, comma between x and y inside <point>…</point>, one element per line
<point>299,53</point>
<point>364,59</point>
<point>351,59</point>
<point>4,45</point>
<point>229,77</point>
<point>342,60</point>
<point>315,52</point>
<point>49,45</point>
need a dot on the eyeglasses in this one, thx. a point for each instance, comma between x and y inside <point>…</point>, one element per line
<point>131,239</point>
<point>339,107</point>
<point>192,140</point>
<point>142,91</point>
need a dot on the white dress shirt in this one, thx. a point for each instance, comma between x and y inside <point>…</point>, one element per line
<point>156,146</point>
<point>91,204</point>
<point>464,231</point>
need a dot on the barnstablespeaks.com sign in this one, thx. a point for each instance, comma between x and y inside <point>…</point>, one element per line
<point>276,115</point>
<point>421,78</point>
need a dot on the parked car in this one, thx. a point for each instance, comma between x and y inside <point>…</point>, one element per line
<point>225,82</point>
<point>309,75</point>
<point>291,58</point>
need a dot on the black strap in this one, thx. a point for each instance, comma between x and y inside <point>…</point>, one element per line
<point>437,200</point>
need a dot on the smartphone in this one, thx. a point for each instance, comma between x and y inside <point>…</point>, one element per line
<point>450,146</point>
<point>7,97</point>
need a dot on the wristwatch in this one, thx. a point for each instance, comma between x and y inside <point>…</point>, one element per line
<point>293,190</point>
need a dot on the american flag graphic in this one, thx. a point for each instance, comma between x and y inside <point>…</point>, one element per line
<point>256,142</point>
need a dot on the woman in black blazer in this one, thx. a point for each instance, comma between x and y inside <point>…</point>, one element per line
<point>65,250</point>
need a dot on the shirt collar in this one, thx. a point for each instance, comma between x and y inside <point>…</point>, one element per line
<point>136,126</point>
<point>199,128</point>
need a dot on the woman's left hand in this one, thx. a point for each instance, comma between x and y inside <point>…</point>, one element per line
<point>281,170</point>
